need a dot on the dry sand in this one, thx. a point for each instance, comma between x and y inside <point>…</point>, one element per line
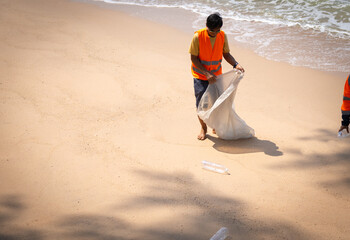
<point>98,136</point>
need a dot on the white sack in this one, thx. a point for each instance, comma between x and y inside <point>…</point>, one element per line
<point>217,110</point>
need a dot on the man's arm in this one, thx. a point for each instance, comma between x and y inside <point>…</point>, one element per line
<point>210,76</point>
<point>231,60</point>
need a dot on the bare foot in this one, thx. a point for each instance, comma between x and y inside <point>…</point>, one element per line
<point>203,134</point>
<point>214,132</point>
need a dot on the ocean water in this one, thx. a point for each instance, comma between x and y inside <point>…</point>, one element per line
<point>310,33</point>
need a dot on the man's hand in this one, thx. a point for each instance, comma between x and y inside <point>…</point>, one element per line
<point>211,77</point>
<point>344,127</point>
<point>240,68</point>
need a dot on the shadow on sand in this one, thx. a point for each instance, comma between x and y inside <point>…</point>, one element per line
<point>11,208</point>
<point>338,164</point>
<point>321,134</point>
<point>189,210</point>
<point>241,146</point>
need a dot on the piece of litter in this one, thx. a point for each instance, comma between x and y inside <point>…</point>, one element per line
<point>214,167</point>
<point>222,234</point>
<point>343,134</point>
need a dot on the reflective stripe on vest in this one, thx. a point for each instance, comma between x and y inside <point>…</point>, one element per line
<point>345,107</point>
<point>210,63</point>
<point>200,72</point>
<point>210,57</point>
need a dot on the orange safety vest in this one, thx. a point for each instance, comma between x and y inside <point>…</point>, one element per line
<point>345,108</point>
<point>210,57</point>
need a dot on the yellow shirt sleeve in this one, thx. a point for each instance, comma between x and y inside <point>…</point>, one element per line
<point>226,47</point>
<point>194,48</point>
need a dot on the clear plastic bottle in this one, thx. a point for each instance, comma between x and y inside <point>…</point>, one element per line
<point>214,167</point>
<point>343,134</point>
<point>222,234</point>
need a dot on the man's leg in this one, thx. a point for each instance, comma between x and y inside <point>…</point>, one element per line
<point>199,88</point>
<point>203,132</point>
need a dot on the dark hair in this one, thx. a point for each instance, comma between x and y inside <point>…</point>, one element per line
<point>214,21</point>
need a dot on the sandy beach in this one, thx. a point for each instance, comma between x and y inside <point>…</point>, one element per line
<point>99,136</point>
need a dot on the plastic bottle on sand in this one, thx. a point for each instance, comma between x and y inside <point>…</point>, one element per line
<point>222,234</point>
<point>214,167</point>
<point>343,134</point>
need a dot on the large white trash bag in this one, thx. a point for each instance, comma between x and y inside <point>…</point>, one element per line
<point>217,110</point>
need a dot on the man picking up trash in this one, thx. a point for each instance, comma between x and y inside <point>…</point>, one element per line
<point>208,46</point>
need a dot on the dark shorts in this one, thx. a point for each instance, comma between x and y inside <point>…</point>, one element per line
<point>199,88</point>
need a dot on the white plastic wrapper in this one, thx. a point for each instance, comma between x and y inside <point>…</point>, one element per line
<point>217,109</point>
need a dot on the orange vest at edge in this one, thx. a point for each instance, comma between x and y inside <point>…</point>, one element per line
<point>210,57</point>
<point>346,98</point>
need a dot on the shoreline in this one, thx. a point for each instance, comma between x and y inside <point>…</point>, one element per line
<point>169,16</point>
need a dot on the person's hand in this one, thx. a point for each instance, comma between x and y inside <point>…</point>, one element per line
<point>211,77</point>
<point>240,68</point>
<point>344,127</point>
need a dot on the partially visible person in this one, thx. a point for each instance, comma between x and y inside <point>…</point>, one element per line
<point>207,48</point>
<point>345,108</point>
